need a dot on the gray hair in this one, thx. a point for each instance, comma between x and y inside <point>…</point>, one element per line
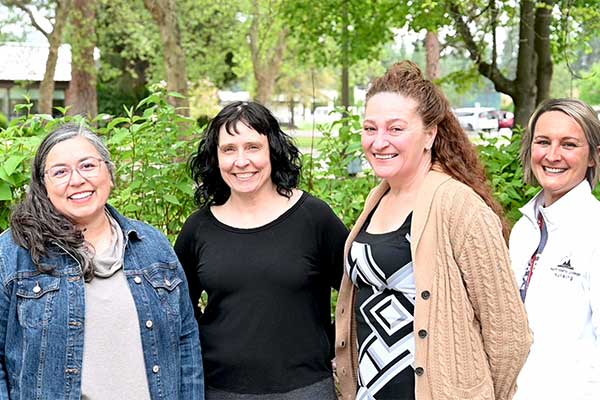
<point>35,222</point>
<point>586,118</point>
<point>63,133</point>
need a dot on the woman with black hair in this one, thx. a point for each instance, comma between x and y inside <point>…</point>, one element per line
<point>267,255</point>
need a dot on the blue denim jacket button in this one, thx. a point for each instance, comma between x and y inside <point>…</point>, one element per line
<point>43,319</point>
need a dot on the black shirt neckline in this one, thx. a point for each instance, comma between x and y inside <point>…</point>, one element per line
<point>266,226</point>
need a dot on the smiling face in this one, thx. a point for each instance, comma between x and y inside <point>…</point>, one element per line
<point>394,138</point>
<point>244,160</point>
<point>560,154</point>
<point>80,199</point>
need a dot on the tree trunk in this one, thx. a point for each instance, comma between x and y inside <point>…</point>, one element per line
<point>432,47</point>
<point>534,70</point>
<point>81,95</point>
<point>54,41</point>
<point>345,59</point>
<point>266,63</point>
<point>543,18</point>
<point>265,83</point>
<point>164,13</point>
<point>345,86</point>
<point>526,92</point>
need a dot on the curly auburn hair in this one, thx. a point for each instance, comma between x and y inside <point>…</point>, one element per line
<point>452,150</point>
<point>286,164</point>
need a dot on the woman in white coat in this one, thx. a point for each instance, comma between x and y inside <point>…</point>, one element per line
<point>555,253</point>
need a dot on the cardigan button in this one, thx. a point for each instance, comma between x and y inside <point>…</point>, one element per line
<point>344,371</point>
<point>343,343</point>
<point>419,371</point>
<point>422,333</point>
<point>425,294</point>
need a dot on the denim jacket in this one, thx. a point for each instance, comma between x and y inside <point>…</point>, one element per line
<point>42,320</point>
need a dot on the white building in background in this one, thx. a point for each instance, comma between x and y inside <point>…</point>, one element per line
<point>228,96</point>
<point>22,67</point>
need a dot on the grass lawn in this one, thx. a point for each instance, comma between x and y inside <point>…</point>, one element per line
<point>303,142</point>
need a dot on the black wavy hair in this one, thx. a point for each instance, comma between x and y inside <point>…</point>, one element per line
<point>286,164</point>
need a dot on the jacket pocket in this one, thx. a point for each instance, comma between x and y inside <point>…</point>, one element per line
<point>482,391</point>
<point>164,280</point>
<point>35,298</point>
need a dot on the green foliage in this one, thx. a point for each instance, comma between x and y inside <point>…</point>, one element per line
<point>590,86</point>
<point>326,175</point>
<point>149,151</point>
<point>500,157</point>
<point>3,121</point>
<point>343,32</point>
<point>17,145</point>
<point>112,98</point>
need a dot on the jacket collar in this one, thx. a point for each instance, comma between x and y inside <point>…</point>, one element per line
<point>434,179</point>
<point>129,230</point>
<point>562,210</point>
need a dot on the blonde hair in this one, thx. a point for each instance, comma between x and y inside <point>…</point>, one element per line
<point>586,118</point>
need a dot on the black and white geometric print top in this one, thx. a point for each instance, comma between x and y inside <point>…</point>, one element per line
<point>380,265</point>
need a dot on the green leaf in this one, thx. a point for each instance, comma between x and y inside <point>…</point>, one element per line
<point>5,192</point>
<point>118,137</point>
<point>171,199</point>
<point>62,110</point>
<point>186,188</point>
<point>11,165</point>
<point>116,122</point>
<point>176,94</point>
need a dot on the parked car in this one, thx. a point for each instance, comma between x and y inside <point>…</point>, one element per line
<point>477,118</point>
<point>506,119</point>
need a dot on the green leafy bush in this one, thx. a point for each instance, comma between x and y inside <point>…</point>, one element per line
<point>149,151</point>
<point>3,121</point>
<point>327,175</point>
<point>500,156</point>
<point>150,144</point>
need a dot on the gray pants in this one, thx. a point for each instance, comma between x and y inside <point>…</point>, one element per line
<point>322,390</point>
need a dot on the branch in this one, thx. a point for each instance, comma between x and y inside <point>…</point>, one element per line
<point>490,71</point>
<point>254,41</point>
<point>494,19</point>
<point>22,5</point>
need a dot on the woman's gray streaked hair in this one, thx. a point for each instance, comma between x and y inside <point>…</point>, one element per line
<point>586,118</point>
<point>36,224</point>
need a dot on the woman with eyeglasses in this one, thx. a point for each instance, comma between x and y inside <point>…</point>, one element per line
<point>93,305</point>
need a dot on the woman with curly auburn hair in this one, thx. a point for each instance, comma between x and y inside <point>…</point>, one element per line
<point>428,307</point>
<point>267,255</point>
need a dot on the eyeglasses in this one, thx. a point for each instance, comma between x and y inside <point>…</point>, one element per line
<point>86,168</point>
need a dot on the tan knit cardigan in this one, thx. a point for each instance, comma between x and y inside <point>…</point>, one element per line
<point>473,337</point>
